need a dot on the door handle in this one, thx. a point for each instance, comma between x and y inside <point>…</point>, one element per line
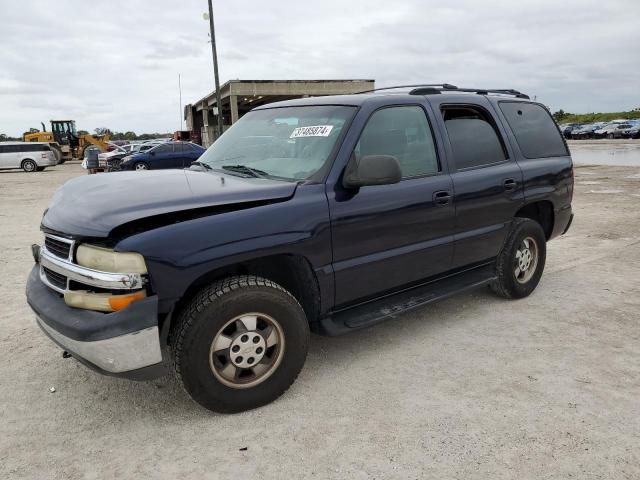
<point>441,198</point>
<point>510,184</point>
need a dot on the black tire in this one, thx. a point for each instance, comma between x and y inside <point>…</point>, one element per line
<point>29,166</point>
<point>58,154</point>
<point>508,285</point>
<point>140,166</point>
<point>205,317</point>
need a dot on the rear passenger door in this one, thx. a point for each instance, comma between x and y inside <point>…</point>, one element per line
<point>487,181</point>
<point>163,157</point>
<point>387,236</point>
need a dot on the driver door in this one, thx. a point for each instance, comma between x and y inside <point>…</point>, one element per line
<point>387,236</point>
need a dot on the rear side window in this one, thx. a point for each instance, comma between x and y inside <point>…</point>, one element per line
<point>404,133</point>
<point>474,139</point>
<point>32,148</point>
<point>534,129</point>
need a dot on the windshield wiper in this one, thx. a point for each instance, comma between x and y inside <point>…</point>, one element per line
<point>253,172</point>
<point>201,164</point>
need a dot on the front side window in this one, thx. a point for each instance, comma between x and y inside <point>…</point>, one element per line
<point>534,129</point>
<point>289,143</point>
<point>402,132</point>
<point>163,149</point>
<point>473,137</point>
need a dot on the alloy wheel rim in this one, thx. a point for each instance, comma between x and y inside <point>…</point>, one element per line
<point>141,166</point>
<point>526,260</point>
<point>247,350</point>
<point>29,166</point>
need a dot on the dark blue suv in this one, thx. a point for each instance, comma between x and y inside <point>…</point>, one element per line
<point>165,155</point>
<point>325,214</point>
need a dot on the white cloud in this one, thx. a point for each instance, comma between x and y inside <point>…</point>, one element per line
<point>117,65</point>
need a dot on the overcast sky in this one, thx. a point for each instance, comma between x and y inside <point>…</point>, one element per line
<point>116,65</point>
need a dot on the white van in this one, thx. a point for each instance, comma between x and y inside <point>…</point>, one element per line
<point>29,156</point>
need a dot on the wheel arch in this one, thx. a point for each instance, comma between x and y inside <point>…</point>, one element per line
<point>291,271</point>
<point>542,212</point>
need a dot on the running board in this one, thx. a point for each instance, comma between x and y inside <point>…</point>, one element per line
<point>377,311</point>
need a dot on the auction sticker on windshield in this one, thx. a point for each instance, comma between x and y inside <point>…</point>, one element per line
<point>312,131</point>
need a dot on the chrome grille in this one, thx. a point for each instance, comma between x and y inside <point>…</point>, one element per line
<point>56,279</point>
<point>58,246</point>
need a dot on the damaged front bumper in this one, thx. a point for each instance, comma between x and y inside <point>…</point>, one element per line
<point>124,343</point>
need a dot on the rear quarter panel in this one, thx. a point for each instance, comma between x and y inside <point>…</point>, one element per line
<point>544,179</point>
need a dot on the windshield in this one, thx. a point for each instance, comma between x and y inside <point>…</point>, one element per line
<point>291,143</point>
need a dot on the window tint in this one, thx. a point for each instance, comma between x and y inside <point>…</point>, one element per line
<point>32,148</point>
<point>10,149</point>
<point>404,133</point>
<point>163,149</point>
<point>534,129</point>
<point>473,137</point>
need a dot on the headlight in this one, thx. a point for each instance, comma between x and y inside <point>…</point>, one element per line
<point>126,159</point>
<point>106,260</point>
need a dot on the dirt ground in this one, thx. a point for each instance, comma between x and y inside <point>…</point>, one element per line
<point>474,387</point>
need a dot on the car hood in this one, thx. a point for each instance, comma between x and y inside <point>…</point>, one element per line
<point>93,205</point>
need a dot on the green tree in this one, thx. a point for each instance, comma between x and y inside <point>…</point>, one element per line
<point>560,115</point>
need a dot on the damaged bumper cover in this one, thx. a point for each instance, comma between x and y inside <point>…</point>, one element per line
<point>124,343</point>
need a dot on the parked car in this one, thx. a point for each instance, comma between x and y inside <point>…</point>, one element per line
<point>566,129</point>
<point>165,155</point>
<point>611,130</point>
<point>633,131</point>
<point>29,156</point>
<point>111,160</point>
<point>586,131</point>
<point>327,214</point>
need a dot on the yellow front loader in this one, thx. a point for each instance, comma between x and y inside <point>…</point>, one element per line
<point>65,141</point>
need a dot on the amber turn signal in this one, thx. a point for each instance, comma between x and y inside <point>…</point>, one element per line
<point>120,302</point>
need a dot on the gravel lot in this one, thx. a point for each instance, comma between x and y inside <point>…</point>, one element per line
<point>471,387</point>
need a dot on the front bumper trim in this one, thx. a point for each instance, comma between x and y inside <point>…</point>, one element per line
<point>114,355</point>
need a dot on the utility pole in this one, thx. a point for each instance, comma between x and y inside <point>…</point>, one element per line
<point>181,112</point>
<point>215,67</point>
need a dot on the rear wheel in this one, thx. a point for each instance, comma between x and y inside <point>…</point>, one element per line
<point>29,166</point>
<point>141,166</point>
<point>240,344</point>
<point>521,261</point>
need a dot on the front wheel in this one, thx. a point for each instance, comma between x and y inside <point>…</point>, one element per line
<point>240,344</point>
<point>521,261</point>
<point>141,166</point>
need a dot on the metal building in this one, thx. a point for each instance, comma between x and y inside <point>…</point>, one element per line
<point>240,96</point>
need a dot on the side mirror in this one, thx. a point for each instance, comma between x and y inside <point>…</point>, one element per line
<point>371,170</point>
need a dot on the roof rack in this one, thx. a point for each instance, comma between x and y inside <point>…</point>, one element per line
<point>442,85</point>
<point>437,88</point>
